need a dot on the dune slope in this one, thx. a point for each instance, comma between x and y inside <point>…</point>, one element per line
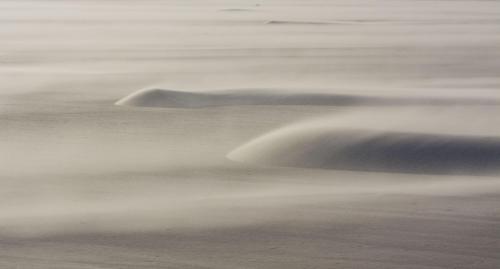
<point>371,151</point>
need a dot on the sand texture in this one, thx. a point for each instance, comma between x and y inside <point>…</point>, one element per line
<point>280,134</point>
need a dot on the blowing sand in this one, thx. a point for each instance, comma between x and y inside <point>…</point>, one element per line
<point>416,142</point>
<point>396,103</point>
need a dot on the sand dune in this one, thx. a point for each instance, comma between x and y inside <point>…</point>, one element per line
<point>169,98</point>
<point>354,145</point>
<point>186,99</point>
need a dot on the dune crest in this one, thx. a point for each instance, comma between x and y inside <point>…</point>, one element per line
<point>327,146</point>
<point>240,97</point>
<point>170,98</point>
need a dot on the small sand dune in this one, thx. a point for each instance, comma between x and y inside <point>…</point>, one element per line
<point>369,150</point>
<point>240,97</point>
<point>169,98</point>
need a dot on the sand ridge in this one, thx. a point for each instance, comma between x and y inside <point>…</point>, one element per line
<point>365,150</point>
<point>275,97</point>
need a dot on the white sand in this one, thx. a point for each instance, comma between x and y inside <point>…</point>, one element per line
<point>87,184</point>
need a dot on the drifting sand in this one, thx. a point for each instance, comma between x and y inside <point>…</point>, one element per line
<point>87,184</point>
<point>366,150</point>
<point>444,140</point>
